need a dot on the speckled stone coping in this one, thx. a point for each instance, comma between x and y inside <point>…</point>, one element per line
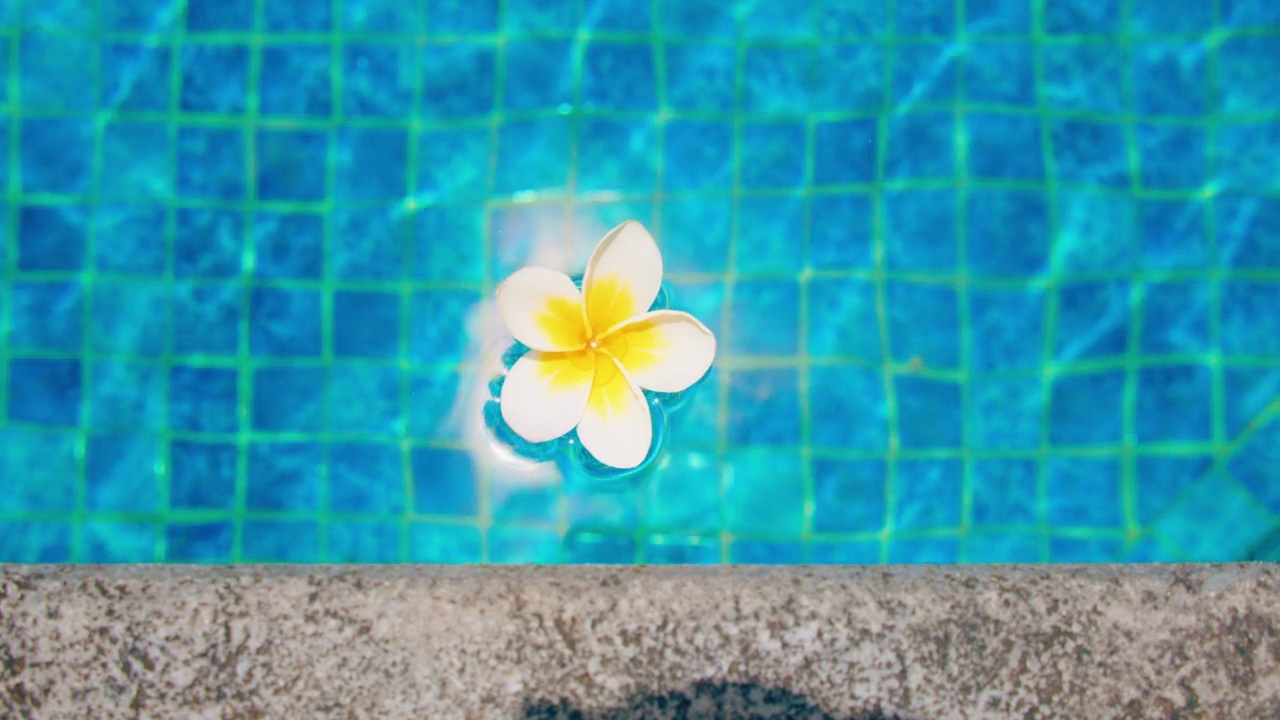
<point>425,642</point>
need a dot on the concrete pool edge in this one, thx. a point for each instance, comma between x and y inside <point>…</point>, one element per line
<point>394,642</point>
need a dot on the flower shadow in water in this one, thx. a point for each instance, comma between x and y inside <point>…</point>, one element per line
<point>571,459</point>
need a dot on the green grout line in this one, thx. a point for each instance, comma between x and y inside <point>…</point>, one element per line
<point>1213,81</point>
<point>804,388</point>
<point>14,190</point>
<point>410,210</point>
<point>244,377</point>
<point>967,338</point>
<point>1133,350</point>
<point>327,290</point>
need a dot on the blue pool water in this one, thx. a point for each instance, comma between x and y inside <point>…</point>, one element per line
<point>993,280</point>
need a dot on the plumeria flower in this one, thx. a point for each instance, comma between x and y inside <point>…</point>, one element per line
<point>593,351</point>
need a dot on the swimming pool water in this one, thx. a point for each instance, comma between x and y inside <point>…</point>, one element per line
<point>994,280</point>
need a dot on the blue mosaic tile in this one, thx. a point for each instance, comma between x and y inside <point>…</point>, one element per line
<point>609,509</point>
<point>456,544</point>
<point>1173,235</point>
<point>1171,157</point>
<point>202,476</point>
<point>997,17</point>
<point>203,399</point>
<point>1246,13</point>
<point>215,78</point>
<point>755,501</point>
<point>930,413</point>
<point>777,79</point>
<point>1001,73</point>
<point>848,552</point>
<point>842,231</point>
<point>45,392</point>
<point>1006,329</point>
<point>380,253</point>
<point>1005,491</point>
<point>295,80</point>
<point>1242,225</point>
<point>849,496</point>
<point>1248,318</point>
<point>283,16</point>
<point>46,467</point>
<point>1002,547</point>
<point>850,77</point>
<point>211,163</point>
<point>1085,409</point>
<point>844,152</point>
<point>848,327</point>
<point>1005,147</point>
<point>1170,79</point>
<point>208,542</point>
<point>458,80</point>
<point>1096,233</point>
<point>1244,155</point>
<point>764,407</point>
<point>773,161</point>
<point>695,234</point>
<point>1080,17</point>
<point>120,473</point>
<point>453,164</point>
<point>695,425</point>
<point>1093,321</point>
<point>56,155</point>
<point>919,230</point>
<point>1083,492</point>
<point>1255,462</point>
<point>46,316</point>
<point>515,230</point>
<point>769,230</point>
<point>444,482</point>
<point>1175,16</point>
<point>206,319</point>
<point>364,542</point>
<point>535,17</point>
<point>680,497</point>
<point>284,322</point>
<point>617,155</point>
<point>288,246</point>
<point>680,550</point>
<point>924,74</point>
<point>777,21</point>
<point>127,16</point>
<point>51,238</point>
<point>280,541</point>
<point>436,261</point>
<point>445,338</point>
<point>1148,550</point>
<point>1176,317</point>
<point>1160,480</point>
<point>619,77</point>
<point>288,399</point>
<point>519,545</point>
<point>1008,232</point>
<point>1084,77</point>
<point>366,324</point>
<point>130,318</point>
<point>853,18</point>
<point>136,160</point>
<point>53,72</point>
<point>509,502</point>
<point>847,408</point>
<point>533,155</point>
<point>366,478</point>
<point>924,551</point>
<point>369,164</point>
<point>283,476</point>
<point>126,396</point>
<point>1174,404</point>
<point>1084,550</point>
<point>67,16</point>
<point>1249,75</point>
<point>1087,152</point>
<point>698,155</point>
<point>921,146</point>
<point>924,18</point>
<point>703,19</point>
<point>700,78</point>
<point>35,541</point>
<point>134,77</point>
<point>384,16</point>
<point>291,165</point>
<point>1214,520</point>
<point>105,541</point>
<point>914,306</point>
<point>133,248</point>
<point>378,79</point>
<point>219,16</point>
<point>599,549</point>
<point>777,299</point>
<point>1247,393</point>
<point>751,552</point>
<point>364,399</point>
<point>1004,413</point>
<point>927,494</point>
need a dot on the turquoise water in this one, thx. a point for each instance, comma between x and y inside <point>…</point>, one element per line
<point>993,280</point>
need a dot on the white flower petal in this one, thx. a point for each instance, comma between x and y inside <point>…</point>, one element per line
<point>543,309</point>
<point>544,394</point>
<point>664,351</point>
<point>623,276</point>
<point>616,428</point>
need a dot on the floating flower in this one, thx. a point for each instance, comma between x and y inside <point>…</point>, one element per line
<point>593,352</point>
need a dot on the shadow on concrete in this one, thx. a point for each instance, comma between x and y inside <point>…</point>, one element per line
<point>703,701</point>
